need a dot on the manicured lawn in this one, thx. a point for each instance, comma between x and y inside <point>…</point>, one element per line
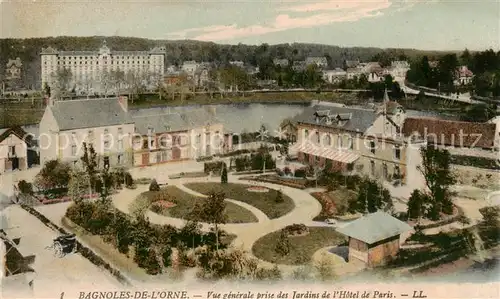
<point>185,203</point>
<point>266,202</point>
<point>302,248</point>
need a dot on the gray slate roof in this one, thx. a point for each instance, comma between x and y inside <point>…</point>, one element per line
<point>360,121</point>
<point>374,227</point>
<point>79,114</point>
<point>165,120</point>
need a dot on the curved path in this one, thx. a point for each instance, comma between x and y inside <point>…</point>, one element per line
<point>306,208</point>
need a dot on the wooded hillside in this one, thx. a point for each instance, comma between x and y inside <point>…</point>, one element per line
<point>178,51</point>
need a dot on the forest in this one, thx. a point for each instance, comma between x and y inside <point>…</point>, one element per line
<point>28,50</point>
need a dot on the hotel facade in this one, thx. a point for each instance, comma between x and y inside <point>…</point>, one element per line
<point>90,68</point>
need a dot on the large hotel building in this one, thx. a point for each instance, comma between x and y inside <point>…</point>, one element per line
<point>88,67</point>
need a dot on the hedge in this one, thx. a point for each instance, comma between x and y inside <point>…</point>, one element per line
<point>83,250</point>
<point>449,220</point>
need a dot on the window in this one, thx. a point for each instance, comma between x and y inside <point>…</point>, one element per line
<point>328,140</point>
<point>12,150</point>
<point>106,162</point>
<point>73,150</point>
<point>339,142</point>
<point>119,159</point>
<point>198,139</point>
<point>106,131</point>
<point>306,134</point>
<point>120,145</point>
<point>372,147</point>
<point>106,145</point>
<point>120,131</point>
<point>397,171</point>
<point>397,152</point>
<point>372,167</point>
<point>351,143</point>
<point>385,171</point>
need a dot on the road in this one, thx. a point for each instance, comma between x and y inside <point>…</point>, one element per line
<point>460,98</point>
<point>53,275</point>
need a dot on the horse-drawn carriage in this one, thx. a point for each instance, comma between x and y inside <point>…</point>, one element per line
<point>63,245</point>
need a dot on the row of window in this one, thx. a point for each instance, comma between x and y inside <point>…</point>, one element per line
<point>340,143</point>
<point>385,170</point>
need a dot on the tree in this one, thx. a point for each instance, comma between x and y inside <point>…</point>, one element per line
<point>438,177</point>
<point>154,186</point>
<point>283,244</point>
<point>63,79</point>
<point>223,177</point>
<point>54,174</point>
<point>416,205</point>
<point>90,164</point>
<point>371,197</point>
<point>279,196</point>
<point>78,186</point>
<point>213,211</point>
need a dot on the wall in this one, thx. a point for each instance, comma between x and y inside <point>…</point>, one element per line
<point>47,137</point>
<point>383,252</point>
<point>66,139</point>
<point>413,161</point>
<point>21,152</point>
<point>384,152</point>
<point>358,250</point>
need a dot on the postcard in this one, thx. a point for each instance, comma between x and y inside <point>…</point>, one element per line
<point>318,149</point>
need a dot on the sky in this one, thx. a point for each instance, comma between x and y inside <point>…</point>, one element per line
<point>419,24</point>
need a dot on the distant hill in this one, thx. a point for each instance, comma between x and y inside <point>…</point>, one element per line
<point>178,51</point>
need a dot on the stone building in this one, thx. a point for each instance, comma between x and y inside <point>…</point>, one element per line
<point>90,70</point>
<point>375,238</point>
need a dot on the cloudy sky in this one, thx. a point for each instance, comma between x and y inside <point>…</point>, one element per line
<point>422,24</point>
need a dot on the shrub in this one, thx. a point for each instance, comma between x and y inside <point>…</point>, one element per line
<point>129,181</point>
<point>283,244</point>
<point>154,186</point>
<point>296,229</point>
<point>25,187</point>
<point>287,170</point>
<point>223,178</point>
<point>300,173</point>
<point>279,197</point>
<point>215,167</point>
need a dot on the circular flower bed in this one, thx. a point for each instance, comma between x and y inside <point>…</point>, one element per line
<point>164,204</point>
<point>259,189</point>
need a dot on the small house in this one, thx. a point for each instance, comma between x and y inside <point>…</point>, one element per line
<point>375,238</point>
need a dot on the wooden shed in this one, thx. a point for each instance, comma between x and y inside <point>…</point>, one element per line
<point>375,238</point>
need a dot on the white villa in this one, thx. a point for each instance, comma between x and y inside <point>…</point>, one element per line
<point>104,123</point>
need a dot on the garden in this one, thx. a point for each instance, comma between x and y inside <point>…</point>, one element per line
<point>173,202</point>
<point>273,203</point>
<point>295,244</point>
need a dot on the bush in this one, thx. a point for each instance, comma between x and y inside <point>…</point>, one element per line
<point>154,186</point>
<point>215,167</point>
<point>300,173</point>
<point>279,196</point>
<point>25,187</point>
<point>129,181</point>
<point>296,229</point>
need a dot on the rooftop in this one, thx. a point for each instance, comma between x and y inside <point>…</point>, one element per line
<point>375,227</point>
<point>89,113</point>
<point>358,120</point>
<point>451,132</point>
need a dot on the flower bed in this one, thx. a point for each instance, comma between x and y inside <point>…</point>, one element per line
<point>164,204</point>
<point>258,189</point>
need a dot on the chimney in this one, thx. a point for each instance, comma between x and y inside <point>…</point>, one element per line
<point>123,100</point>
